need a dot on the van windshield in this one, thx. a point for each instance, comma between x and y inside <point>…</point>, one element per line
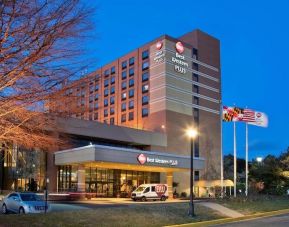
<point>140,189</point>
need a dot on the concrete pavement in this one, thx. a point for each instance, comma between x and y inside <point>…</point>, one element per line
<point>221,209</point>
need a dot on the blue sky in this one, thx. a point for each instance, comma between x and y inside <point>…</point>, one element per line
<point>254,39</point>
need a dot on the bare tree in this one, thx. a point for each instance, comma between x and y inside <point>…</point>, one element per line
<point>39,51</point>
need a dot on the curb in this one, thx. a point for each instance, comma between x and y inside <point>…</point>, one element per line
<point>231,220</point>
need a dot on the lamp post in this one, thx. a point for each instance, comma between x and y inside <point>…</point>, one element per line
<point>192,133</point>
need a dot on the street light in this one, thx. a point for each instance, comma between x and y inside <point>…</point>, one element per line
<point>192,133</point>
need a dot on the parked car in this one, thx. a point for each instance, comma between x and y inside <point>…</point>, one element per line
<point>150,192</point>
<point>23,203</point>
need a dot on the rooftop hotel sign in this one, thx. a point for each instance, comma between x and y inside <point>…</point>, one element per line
<point>181,64</point>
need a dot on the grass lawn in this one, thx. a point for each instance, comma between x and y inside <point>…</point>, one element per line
<point>132,215</point>
<point>255,204</point>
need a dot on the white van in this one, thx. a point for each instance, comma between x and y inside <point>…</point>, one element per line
<point>150,191</point>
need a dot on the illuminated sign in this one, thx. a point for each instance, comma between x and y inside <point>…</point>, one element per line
<point>179,47</point>
<point>142,159</point>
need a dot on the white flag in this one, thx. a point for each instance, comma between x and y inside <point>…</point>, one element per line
<point>261,119</point>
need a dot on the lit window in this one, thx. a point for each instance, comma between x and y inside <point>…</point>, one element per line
<point>123,95</point>
<point>145,100</point>
<point>123,64</point>
<point>145,88</point>
<point>145,54</point>
<point>145,112</point>
<point>145,65</point>
<point>131,61</point>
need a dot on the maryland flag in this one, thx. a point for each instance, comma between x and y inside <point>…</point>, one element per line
<point>232,113</point>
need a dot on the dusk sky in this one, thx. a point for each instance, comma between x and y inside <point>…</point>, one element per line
<point>254,39</point>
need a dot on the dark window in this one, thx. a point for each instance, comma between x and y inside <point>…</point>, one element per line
<point>145,65</point>
<point>112,100</point>
<point>130,116</point>
<point>147,190</point>
<point>123,65</point>
<point>131,104</point>
<point>96,96</point>
<point>106,82</point>
<point>123,117</point>
<point>197,148</point>
<point>196,89</point>
<point>106,72</point>
<point>153,188</point>
<point>111,121</point>
<point>145,76</point>
<point>123,106</point>
<point>195,66</point>
<point>90,98</point>
<point>112,70</point>
<point>105,102</point>
<point>131,82</point>
<point>131,61</point>
<point>96,105</point>
<point>105,112</point>
<point>90,117</point>
<point>131,93</point>
<point>97,87</point>
<point>112,90</point>
<point>196,100</point>
<point>196,112</point>
<point>123,75</point>
<point>95,116</point>
<point>97,77</point>
<point>91,88</point>
<point>123,96</point>
<point>195,53</point>
<point>145,88</point>
<point>123,85</point>
<point>145,100</point>
<point>106,91</point>
<point>112,80</point>
<point>131,72</point>
<point>145,54</point>
<point>145,112</point>
<point>197,176</point>
<point>195,77</point>
<point>112,110</point>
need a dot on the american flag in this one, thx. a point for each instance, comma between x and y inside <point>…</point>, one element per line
<point>249,115</point>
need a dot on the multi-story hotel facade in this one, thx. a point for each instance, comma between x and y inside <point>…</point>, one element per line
<point>136,111</point>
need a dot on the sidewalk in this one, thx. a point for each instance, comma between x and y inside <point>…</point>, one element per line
<point>223,210</point>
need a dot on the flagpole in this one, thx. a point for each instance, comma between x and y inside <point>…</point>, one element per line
<point>246,159</point>
<point>222,166</point>
<point>235,161</point>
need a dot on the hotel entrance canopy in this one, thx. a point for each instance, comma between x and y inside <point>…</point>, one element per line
<point>124,158</point>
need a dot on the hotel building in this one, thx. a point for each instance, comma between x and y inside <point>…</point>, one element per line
<point>134,112</point>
